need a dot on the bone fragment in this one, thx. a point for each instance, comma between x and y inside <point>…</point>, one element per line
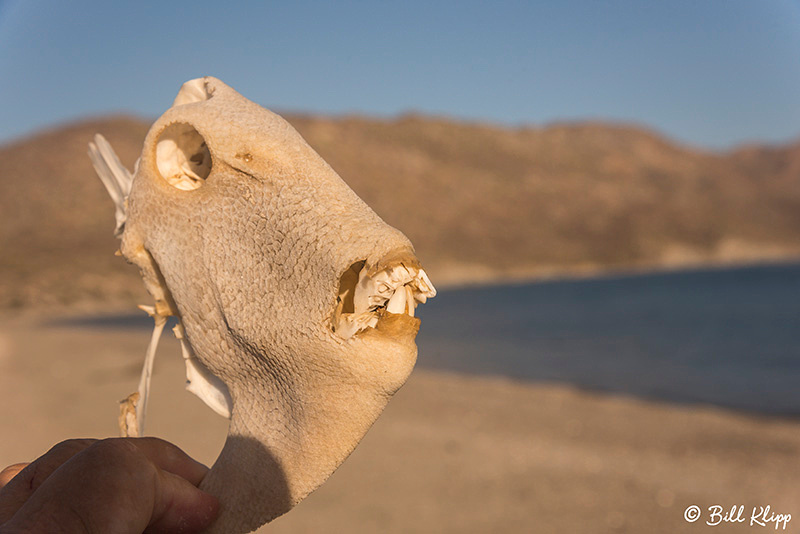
<point>201,381</point>
<point>114,175</point>
<point>147,369</point>
<point>128,426</point>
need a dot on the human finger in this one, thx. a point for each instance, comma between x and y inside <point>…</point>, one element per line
<point>171,458</point>
<point>180,507</point>
<point>19,488</point>
<point>113,486</point>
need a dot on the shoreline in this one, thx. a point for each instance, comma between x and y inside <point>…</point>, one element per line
<point>450,277</point>
<point>463,276</point>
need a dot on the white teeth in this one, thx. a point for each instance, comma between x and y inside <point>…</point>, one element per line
<point>398,289</point>
<point>350,324</point>
<point>410,301</point>
<point>399,275</point>
<point>397,304</point>
<point>425,286</point>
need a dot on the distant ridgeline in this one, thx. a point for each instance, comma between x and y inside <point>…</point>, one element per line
<point>480,202</point>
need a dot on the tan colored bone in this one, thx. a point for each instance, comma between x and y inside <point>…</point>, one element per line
<point>128,423</point>
<point>295,300</point>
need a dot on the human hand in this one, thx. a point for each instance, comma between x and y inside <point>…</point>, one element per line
<point>120,485</point>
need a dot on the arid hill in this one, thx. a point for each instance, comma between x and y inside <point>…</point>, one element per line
<point>480,202</point>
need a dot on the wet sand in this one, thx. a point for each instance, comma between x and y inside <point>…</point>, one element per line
<point>450,454</point>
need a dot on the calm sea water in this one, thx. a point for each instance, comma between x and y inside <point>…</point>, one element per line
<point>725,337</point>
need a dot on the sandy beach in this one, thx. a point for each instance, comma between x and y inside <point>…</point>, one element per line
<point>450,454</point>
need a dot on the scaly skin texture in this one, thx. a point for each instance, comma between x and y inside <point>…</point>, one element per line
<point>250,262</point>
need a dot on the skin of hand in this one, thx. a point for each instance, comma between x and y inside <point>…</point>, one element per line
<point>117,485</point>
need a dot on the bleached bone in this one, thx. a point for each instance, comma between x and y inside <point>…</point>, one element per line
<point>295,300</point>
<point>147,368</point>
<point>114,175</point>
<point>200,381</point>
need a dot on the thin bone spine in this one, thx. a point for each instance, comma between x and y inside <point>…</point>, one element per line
<point>147,369</point>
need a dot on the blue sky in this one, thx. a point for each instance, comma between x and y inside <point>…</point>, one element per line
<point>713,73</point>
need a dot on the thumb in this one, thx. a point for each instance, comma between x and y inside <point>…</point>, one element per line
<point>180,507</point>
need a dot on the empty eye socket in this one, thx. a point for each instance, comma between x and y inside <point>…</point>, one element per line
<point>182,156</point>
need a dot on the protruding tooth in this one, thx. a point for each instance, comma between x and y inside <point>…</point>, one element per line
<point>411,304</point>
<point>399,288</point>
<point>400,275</point>
<point>425,285</point>
<point>397,304</point>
